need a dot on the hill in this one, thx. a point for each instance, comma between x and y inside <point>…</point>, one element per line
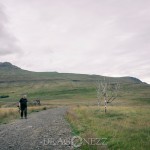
<point>68,87</point>
<point>12,73</point>
<point>127,117</point>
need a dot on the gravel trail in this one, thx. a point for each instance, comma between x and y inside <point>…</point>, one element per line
<point>45,130</point>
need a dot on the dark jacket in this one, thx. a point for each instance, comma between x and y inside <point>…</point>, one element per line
<point>23,102</point>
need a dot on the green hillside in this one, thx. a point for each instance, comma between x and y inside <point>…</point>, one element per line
<point>76,88</point>
<point>11,73</point>
<point>125,125</point>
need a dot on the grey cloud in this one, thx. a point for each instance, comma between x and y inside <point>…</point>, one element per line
<point>107,37</point>
<point>8,43</point>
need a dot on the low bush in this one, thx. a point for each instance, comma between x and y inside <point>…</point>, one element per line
<point>4,96</point>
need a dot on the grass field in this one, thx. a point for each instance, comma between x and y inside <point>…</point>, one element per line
<point>126,125</point>
<point>8,114</point>
<point>123,127</point>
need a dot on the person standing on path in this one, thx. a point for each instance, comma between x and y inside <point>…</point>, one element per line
<point>23,106</point>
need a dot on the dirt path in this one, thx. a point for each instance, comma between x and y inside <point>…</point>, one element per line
<point>43,130</point>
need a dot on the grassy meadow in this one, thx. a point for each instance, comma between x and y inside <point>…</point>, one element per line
<point>8,114</point>
<point>126,125</point>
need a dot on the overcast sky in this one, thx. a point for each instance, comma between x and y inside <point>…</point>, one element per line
<point>105,37</point>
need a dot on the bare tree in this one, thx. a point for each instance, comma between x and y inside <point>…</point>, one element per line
<point>99,92</point>
<point>107,92</point>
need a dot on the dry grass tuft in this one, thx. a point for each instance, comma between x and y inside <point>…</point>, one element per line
<point>10,113</point>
